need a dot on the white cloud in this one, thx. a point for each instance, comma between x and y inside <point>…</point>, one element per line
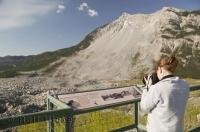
<point>85,8</point>
<point>19,13</point>
<point>60,9</point>
<point>92,13</point>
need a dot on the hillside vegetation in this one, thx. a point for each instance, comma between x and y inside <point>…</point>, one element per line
<point>10,66</point>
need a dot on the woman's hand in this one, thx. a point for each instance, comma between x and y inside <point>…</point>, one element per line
<point>148,81</point>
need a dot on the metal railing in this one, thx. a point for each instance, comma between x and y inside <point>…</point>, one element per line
<point>22,122</point>
<point>60,117</point>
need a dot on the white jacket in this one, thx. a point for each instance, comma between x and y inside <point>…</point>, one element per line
<point>165,103</point>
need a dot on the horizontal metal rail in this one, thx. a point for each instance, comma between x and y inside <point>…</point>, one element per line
<point>32,118</point>
<point>195,130</point>
<point>194,87</point>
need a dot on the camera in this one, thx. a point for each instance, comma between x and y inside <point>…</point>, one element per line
<point>153,77</point>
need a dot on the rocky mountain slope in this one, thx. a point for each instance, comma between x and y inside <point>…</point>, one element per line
<point>126,47</point>
<point>121,50</point>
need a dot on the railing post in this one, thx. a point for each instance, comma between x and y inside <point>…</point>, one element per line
<point>136,115</point>
<point>69,122</point>
<point>50,124</point>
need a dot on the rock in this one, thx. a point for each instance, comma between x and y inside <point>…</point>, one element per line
<point>10,107</point>
<point>18,92</point>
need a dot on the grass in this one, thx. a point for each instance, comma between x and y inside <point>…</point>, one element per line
<point>102,121</point>
<point>99,121</point>
<point>190,120</point>
<point>195,94</point>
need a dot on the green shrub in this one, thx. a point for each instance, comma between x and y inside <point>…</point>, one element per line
<point>8,73</point>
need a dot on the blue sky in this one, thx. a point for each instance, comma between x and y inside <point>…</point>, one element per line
<point>34,26</point>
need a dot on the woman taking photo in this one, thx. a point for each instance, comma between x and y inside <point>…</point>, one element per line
<point>165,101</point>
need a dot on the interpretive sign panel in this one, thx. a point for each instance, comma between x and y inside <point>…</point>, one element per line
<point>101,97</point>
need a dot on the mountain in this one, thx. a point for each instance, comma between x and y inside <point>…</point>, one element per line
<point>10,66</point>
<point>121,50</point>
<point>127,47</point>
